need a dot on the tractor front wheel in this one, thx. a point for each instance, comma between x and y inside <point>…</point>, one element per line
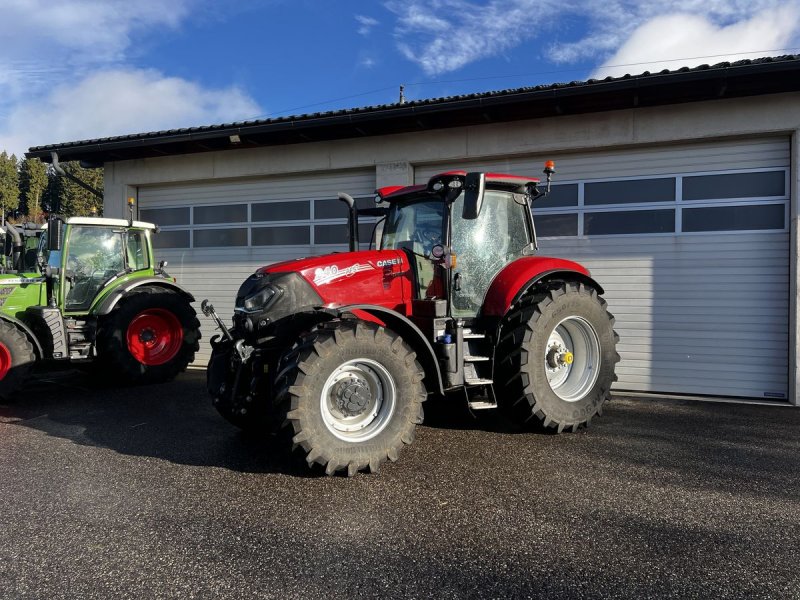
<point>352,397</point>
<point>149,338</point>
<point>16,358</point>
<point>558,352</point>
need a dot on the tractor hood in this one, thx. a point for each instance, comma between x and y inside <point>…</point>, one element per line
<point>380,277</point>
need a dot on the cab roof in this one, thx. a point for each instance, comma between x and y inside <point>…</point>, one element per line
<point>511,183</point>
<point>106,221</point>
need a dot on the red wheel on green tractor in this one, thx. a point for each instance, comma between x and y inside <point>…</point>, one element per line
<point>151,336</point>
<point>154,337</point>
<point>16,358</point>
<point>5,361</point>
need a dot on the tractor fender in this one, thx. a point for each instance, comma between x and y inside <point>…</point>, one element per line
<point>110,302</point>
<point>28,331</point>
<point>516,278</point>
<point>408,331</point>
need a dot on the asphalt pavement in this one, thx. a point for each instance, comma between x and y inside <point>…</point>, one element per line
<point>147,493</point>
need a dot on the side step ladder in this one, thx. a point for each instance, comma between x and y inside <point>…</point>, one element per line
<point>477,371</point>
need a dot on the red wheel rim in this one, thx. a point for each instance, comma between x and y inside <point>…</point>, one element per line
<point>154,336</point>
<point>5,361</point>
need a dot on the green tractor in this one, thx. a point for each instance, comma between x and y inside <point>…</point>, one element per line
<point>91,294</point>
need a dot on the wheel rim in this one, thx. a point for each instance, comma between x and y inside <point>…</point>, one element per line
<point>154,336</point>
<point>572,359</point>
<point>358,400</point>
<point>5,361</point>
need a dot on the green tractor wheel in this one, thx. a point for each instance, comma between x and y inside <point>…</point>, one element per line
<point>16,358</point>
<point>149,338</point>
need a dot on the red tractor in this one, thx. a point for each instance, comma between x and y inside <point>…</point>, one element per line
<point>341,350</point>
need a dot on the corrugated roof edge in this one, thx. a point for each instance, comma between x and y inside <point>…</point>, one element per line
<point>409,104</point>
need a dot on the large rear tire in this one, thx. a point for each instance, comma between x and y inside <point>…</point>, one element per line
<point>557,354</point>
<point>17,358</point>
<point>149,338</point>
<point>352,398</point>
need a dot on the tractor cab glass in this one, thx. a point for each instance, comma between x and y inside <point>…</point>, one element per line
<point>484,245</point>
<point>93,256</point>
<point>417,227</point>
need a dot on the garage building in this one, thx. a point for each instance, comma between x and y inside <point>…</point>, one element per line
<point>678,190</point>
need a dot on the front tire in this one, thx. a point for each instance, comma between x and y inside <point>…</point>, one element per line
<point>558,352</point>
<point>149,338</point>
<point>353,397</point>
<point>17,358</point>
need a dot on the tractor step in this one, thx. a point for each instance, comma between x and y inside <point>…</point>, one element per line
<point>478,381</point>
<point>471,335</point>
<point>475,358</point>
<point>482,404</point>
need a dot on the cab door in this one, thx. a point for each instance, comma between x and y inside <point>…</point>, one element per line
<point>483,246</point>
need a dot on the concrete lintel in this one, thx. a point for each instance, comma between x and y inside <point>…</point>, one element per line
<point>393,173</point>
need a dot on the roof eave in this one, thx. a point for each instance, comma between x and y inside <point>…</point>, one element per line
<point>674,87</point>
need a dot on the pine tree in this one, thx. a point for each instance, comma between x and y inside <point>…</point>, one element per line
<point>33,181</point>
<point>74,200</point>
<point>9,182</point>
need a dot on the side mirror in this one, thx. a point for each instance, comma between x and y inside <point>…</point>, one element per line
<point>474,188</point>
<point>55,234</point>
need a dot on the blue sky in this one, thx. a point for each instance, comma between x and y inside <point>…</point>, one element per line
<point>81,69</point>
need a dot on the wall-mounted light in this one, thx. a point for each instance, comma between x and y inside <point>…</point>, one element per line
<point>235,139</point>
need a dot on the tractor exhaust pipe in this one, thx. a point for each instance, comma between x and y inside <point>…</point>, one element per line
<point>352,219</point>
<point>17,246</point>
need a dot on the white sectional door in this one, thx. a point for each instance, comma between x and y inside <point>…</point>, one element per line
<point>691,244</point>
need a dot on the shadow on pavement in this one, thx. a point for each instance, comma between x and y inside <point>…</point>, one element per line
<point>173,421</point>
<point>726,446</point>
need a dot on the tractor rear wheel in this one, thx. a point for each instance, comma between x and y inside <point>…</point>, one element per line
<point>149,338</point>
<point>558,352</point>
<point>16,358</point>
<point>352,397</point>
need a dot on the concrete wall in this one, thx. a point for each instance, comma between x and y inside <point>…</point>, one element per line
<point>794,273</point>
<point>394,157</point>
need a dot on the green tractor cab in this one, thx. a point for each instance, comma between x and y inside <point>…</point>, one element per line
<point>87,291</point>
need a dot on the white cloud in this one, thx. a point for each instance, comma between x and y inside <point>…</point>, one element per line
<point>686,36</point>
<point>366,24</point>
<point>611,24</point>
<point>45,40</point>
<point>64,74</point>
<point>367,62</point>
<point>446,35</point>
<point>119,102</point>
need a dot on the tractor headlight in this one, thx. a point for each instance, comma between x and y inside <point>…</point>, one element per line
<point>262,299</point>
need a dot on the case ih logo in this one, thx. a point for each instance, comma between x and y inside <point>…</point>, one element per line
<point>332,273</point>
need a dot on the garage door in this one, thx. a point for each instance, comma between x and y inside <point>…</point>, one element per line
<point>692,246</point>
<point>215,235</point>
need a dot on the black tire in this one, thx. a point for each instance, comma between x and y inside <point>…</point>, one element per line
<point>374,354</point>
<point>17,358</point>
<point>531,346</point>
<point>116,356</point>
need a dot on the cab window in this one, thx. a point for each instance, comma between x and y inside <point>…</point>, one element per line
<point>137,251</point>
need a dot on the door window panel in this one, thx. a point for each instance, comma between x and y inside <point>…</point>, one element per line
<point>485,245</point>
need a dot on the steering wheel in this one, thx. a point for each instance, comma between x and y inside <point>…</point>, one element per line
<point>427,237</point>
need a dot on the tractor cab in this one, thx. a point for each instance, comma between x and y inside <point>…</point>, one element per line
<point>81,256</point>
<point>459,231</point>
